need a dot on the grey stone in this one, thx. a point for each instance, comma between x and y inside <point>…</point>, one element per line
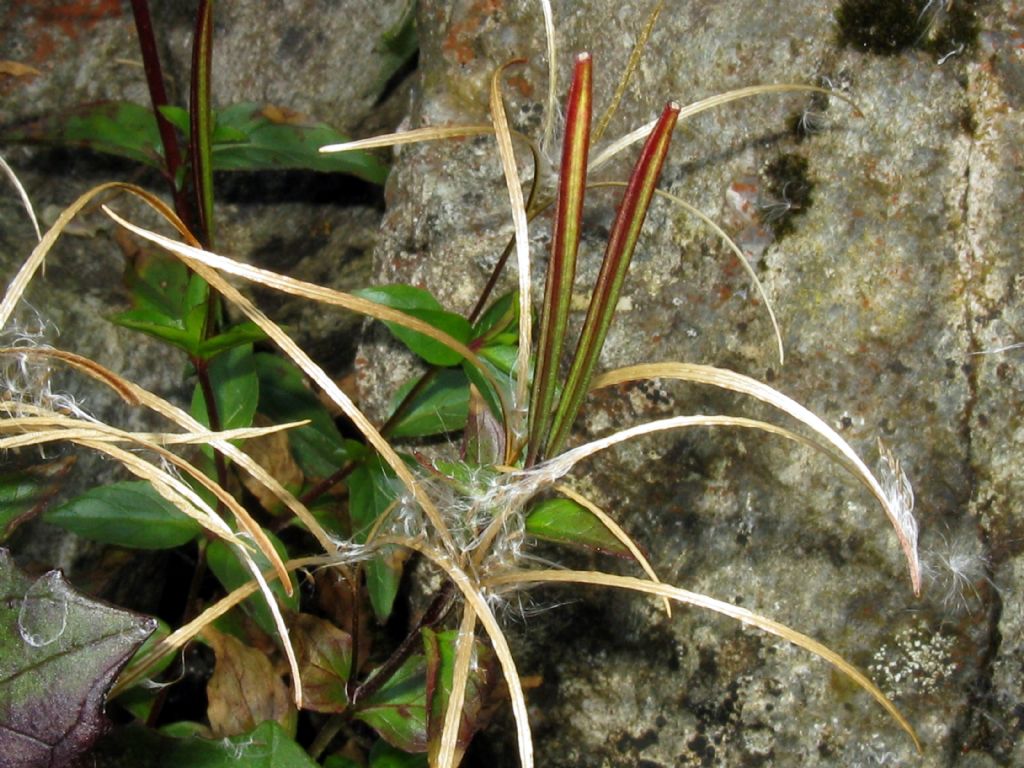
<point>896,286</point>
<point>310,225</point>
<point>893,277</point>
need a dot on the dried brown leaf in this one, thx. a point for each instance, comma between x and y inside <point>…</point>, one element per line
<point>245,690</point>
<point>273,453</point>
<point>10,68</point>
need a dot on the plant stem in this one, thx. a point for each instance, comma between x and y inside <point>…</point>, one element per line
<point>499,267</point>
<point>438,609</point>
<point>201,120</point>
<point>353,581</point>
<point>202,367</point>
<point>327,483</point>
<point>158,97</point>
<point>347,468</point>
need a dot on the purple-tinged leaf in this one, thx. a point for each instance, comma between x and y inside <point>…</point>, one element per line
<point>617,257</point>
<point>325,662</point>
<point>476,709</point>
<point>483,443</point>
<point>59,655</point>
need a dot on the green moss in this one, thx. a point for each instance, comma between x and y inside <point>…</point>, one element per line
<point>788,192</point>
<point>968,123</point>
<point>885,27</point>
<point>958,30</point>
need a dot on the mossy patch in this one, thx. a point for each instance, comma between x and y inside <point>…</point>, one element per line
<point>958,30</point>
<point>788,192</point>
<point>887,27</point>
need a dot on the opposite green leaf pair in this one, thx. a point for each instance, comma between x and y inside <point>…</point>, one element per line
<point>172,304</point>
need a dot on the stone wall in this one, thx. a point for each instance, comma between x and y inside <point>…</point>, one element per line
<point>887,242</point>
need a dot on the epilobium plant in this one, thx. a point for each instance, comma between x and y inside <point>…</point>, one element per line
<point>473,514</point>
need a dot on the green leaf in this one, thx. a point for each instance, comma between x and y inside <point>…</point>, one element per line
<point>176,116</point>
<point>112,127</point>
<point>500,318</point>
<point>265,138</point>
<point>420,304</point>
<point>266,746</point>
<point>465,478</point>
<point>501,356</point>
<point>158,326</point>
<point>318,447</point>
<point>383,578</point>
<point>232,573</point>
<point>236,389</point>
<point>158,282</point>
<point>565,522</point>
<point>484,387</point>
<point>397,46</point>
<point>371,491</point>
<point>339,761</point>
<point>441,407</point>
<point>26,490</point>
<point>169,301</point>
<point>139,699</point>
<point>127,514</point>
<point>165,296</point>
<point>185,729</point>
<point>383,755</point>
<point>398,710</point>
<point>59,655</point>
<point>235,336</point>
<point>245,137</point>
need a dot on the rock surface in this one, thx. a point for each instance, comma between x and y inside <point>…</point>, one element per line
<point>314,226</point>
<point>893,276</point>
<point>896,281</point>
